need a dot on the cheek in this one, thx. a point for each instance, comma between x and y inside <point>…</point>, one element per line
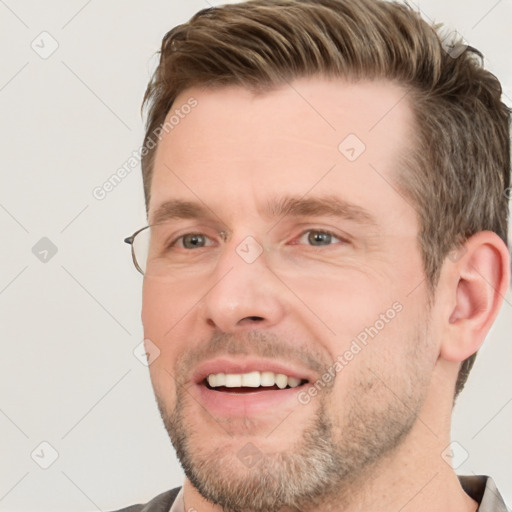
<point>165,304</point>
<point>347,305</point>
<point>161,315</point>
<point>389,341</point>
<point>170,320</point>
<point>158,318</point>
<point>154,301</point>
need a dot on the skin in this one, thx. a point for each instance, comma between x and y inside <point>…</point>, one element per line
<point>388,410</point>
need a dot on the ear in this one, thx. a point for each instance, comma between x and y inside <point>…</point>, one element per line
<point>477,283</point>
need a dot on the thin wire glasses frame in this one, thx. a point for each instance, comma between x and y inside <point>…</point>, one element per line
<point>136,249</point>
<point>131,241</point>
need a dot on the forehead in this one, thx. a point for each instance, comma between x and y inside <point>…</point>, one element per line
<point>311,136</point>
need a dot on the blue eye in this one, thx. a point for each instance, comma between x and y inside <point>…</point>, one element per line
<point>192,241</point>
<point>312,237</point>
<point>320,238</point>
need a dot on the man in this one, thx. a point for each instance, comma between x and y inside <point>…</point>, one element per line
<point>326,185</point>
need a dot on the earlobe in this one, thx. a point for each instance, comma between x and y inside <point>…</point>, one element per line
<point>480,282</point>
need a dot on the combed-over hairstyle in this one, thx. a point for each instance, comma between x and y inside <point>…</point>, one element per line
<point>459,173</point>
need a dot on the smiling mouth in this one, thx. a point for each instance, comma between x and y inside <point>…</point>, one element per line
<point>252,382</point>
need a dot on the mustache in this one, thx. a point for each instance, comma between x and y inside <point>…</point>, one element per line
<point>250,343</point>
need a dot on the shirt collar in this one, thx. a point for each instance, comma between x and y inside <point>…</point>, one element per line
<point>179,504</point>
<point>484,491</point>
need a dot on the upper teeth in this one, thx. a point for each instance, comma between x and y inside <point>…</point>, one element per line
<point>252,380</point>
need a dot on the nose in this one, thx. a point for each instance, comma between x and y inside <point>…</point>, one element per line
<point>244,292</point>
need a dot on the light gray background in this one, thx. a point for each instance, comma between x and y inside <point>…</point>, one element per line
<point>68,375</point>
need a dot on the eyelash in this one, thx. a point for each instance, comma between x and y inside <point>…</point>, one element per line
<point>322,231</point>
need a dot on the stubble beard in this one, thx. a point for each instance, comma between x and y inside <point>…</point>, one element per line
<point>321,470</point>
<point>333,458</point>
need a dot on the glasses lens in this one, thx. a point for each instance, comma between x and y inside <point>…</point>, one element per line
<point>153,252</point>
<point>140,248</point>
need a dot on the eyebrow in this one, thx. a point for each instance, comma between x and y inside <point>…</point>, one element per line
<point>289,206</point>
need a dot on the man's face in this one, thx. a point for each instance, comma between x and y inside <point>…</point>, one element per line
<point>334,299</point>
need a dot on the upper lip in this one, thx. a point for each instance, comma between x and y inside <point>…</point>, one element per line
<point>230,365</point>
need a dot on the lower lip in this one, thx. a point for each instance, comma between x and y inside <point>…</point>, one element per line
<point>246,404</point>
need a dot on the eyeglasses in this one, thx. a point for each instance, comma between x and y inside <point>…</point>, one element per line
<point>154,244</point>
<point>139,242</point>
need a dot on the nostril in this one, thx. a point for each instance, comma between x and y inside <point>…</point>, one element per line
<point>255,318</point>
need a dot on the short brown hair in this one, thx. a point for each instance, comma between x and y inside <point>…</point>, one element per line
<point>461,162</point>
